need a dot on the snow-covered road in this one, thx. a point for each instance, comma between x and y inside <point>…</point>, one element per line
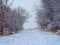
<point>31,37</point>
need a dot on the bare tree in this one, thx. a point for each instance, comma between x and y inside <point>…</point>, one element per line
<point>49,15</point>
<point>11,20</point>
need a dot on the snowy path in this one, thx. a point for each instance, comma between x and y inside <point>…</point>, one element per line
<point>31,37</point>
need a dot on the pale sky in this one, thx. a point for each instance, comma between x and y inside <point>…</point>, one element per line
<point>26,4</point>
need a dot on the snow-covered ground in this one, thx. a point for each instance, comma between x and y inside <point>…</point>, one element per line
<point>31,37</point>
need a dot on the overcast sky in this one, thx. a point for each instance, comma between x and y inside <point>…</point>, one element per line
<point>26,4</point>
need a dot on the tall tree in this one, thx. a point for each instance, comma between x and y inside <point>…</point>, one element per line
<point>49,15</point>
<point>11,20</point>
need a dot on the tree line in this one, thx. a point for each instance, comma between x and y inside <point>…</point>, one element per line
<point>11,20</point>
<point>48,15</point>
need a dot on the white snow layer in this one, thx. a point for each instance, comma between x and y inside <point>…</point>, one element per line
<point>31,37</point>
